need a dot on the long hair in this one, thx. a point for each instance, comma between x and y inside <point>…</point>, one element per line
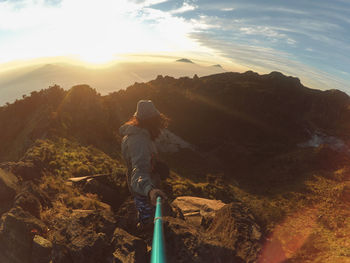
<point>153,125</point>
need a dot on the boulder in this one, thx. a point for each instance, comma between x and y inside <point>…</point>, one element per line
<point>232,236</point>
<point>41,250</point>
<point>197,211</point>
<point>25,169</point>
<point>8,187</point>
<point>90,247</point>
<point>83,236</point>
<point>187,243</point>
<point>127,217</point>
<point>128,248</point>
<point>29,203</point>
<point>16,235</point>
<point>32,199</point>
<point>31,188</point>
<point>112,189</point>
<point>234,227</point>
<point>105,192</point>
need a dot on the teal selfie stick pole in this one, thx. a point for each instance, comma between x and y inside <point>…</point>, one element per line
<point>158,246</point>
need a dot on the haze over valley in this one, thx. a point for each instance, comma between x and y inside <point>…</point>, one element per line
<point>18,82</point>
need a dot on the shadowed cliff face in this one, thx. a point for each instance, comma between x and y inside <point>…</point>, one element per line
<point>263,144</point>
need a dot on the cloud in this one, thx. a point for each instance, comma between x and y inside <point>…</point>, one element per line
<point>24,14</point>
<point>146,3</point>
<point>245,30</point>
<point>279,36</point>
<point>265,60</point>
<point>95,32</point>
<point>183,9</point>
<point>267,32</point>
<point>227,9</point>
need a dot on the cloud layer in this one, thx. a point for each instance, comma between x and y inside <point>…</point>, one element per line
<point>308,39</point>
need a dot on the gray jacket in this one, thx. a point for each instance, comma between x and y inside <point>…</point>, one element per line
<point>137,150</point>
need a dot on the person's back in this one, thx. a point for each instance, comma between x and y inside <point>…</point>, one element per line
<point>140,154</point>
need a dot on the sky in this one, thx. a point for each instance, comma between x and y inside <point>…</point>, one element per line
<point>307,39</point>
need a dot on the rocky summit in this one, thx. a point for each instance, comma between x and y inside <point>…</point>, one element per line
<point>259,172</point>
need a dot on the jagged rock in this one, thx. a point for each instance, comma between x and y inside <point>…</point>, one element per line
<point>234,227</point>
<point>31,198</point>
<point>25,169</point>
<point>197,211</point>
<point>186,243</point>
<point>8,187</point>
<point>233,236</point>
<point>83,236</point>
<point>29,203</point>
<point>127,218</point>
<point>90,246</point>
<point>128,248</point>
<point>109,192</point>
<point>30,188</point>
<point>16,234</point>
<point>41,250</point>
<point>106,193</point>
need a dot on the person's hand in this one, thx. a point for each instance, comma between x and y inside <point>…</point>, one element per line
<point>154,193</point>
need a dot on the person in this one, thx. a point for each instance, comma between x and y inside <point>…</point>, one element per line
<point>140,154</point>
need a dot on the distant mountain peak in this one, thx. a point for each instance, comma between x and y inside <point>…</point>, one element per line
<point>49,65</point>
<point>217,66</point>
<point>185,60</point>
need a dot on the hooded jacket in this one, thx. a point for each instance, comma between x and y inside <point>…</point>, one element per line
<point>137,150</point>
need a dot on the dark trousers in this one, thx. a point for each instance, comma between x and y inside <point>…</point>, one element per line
<point>144,208</point>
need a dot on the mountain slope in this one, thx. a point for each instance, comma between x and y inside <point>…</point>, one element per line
<point>238,118</point>
<point>277,151</point>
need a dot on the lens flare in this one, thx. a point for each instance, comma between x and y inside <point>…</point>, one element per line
<point>289,237</point>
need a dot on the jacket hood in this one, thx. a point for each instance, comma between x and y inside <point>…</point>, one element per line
<point>127,129</point>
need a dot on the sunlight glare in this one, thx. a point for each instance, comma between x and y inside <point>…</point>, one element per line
<point>94,31</point>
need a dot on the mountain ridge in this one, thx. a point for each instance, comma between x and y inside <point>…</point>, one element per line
<point>15,83</point>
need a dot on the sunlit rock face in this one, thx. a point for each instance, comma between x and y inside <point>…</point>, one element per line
<point>198,211</point>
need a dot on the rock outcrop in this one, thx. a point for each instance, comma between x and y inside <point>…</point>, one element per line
<point>235,228</point>
<point>198,211</point>
<point>128,248</point>
<point>112,189</point>
<point>83,236</point>
<point>17,229</point>
<point>8,187</point>
<point>41,250</point>
<point>233,236</point>
<point>26,170</point>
